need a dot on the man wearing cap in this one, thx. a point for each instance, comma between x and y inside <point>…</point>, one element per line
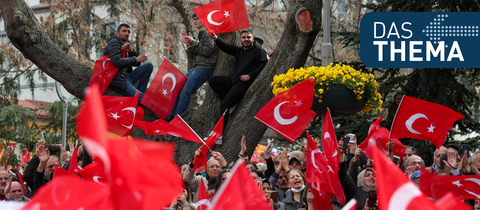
<point>295,163</point>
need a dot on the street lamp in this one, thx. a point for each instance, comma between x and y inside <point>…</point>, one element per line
<point>327,53</point>
<point>64,121</point>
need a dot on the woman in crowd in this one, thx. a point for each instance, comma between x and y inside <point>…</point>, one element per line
<point>298,196</point>
<point>222,177</point>
<point>183,200</point>
<point>366,181</point>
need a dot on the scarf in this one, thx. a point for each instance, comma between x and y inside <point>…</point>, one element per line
<point>361,181</point>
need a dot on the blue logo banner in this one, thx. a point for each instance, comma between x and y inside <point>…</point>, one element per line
<point>420,40</point>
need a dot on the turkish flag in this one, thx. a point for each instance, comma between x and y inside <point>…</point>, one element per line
<point>320,174</point>
<point>121,113</point>
<point>329,142</point>
<point>394,189</point>
<point>436,186</point>
<point>289,112</point>
<point>451,202</point>
<point>60,172</point>
<point>424,120</point>
<point>74,161</point>
<point>257,159</point>
<point>240,192</point>
<point>200,163</point>
<point>177,127</point>
<point>11,147</point>
<point>118,156</point>
<point>94,172</point>
<point>26,155</point>
<point>70,192</point>
<point>161,94</point>
<point>381,136</point>
<point>104,71</point>
<point>223,16</point>
<point>203,202</point>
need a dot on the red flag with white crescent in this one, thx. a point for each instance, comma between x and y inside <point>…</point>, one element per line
<point>104,71</point>
<point>94,172</point>
<point>436,186</point>
<point>322,177</point>
<point>121,113</point>
<point>161,94</point>
<point>200,163</point>
<point>381,137</point>
<point>177,127</point>
<point>329,143</point>
<point>289,112</point>
<point>240,192</point>
<point>394,189</point>
<point>424,120</point>
<point>203,202</point>
<point>223,16</point>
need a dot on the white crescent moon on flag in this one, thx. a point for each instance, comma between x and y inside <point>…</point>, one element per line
<point>313,157</point>
<point>105,62</point>
<point>205,202</point>
<point>402,197</point>
<point>326,135</point>
<point>173,79</point>
<point>280,119</point>
<point>209,18</point>
<point>54,194</point>
<point>96,178</point>
<point>477,181</point>
<point>411,120</point>
<point>133,110</point>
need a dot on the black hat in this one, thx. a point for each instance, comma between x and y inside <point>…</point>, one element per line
<point>294,158</point>
<point>258,39</point>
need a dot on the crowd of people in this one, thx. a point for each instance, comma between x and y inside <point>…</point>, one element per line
<point>282,179</point>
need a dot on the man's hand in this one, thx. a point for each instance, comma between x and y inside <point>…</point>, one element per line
<point>245,77</point>
<point>341,154</point>
<point>63,153</point>
<point>464,165</point>
<point>270,53</point>
<point>451,162</point>
<point>284,158</point>
<point>187,39</point>
<point>43,154</point>
<point>243,146</point>
<point>409,170</point>
<point>141,58</point>
<point>358,153</point>
<point>212,36</point>
<point>128,47</point>
<point>198,153</point>
<point>268,149</point>
<point>219,157</point>
<point>7,188</point>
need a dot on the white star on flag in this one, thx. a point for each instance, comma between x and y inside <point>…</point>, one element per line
<point>164,92</point>
<point>298,103</point>
<point>430,129</point>
<point>157,131</point>
<point>457,183</point>
<point>114,115</point>
<point>226,14</point>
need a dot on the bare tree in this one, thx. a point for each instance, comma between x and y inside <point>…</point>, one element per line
<point>302,24</point>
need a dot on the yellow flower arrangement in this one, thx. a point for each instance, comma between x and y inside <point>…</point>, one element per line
<point>362,84</point>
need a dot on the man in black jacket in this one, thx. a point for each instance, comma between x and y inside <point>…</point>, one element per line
<point>250,59</point>
<point>125,78</point>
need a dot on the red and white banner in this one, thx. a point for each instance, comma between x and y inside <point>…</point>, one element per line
<point>289,112</point>
<point>223,16</point>
<point>161,94</point>
<point>424,120</point>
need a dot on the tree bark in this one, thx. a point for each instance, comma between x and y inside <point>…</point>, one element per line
<point>26,34</point>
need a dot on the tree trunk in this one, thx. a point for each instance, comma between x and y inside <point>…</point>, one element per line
<point>26,34</point>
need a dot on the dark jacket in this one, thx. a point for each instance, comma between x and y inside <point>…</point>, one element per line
<point>203,51</point>
<point>350,189</point>
<point>250,61</point>
<point>113,49</point>
<point>291,204</point>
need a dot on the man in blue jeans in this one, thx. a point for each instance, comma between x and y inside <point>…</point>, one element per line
<point>203,51</point>
<point>126,77</point>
